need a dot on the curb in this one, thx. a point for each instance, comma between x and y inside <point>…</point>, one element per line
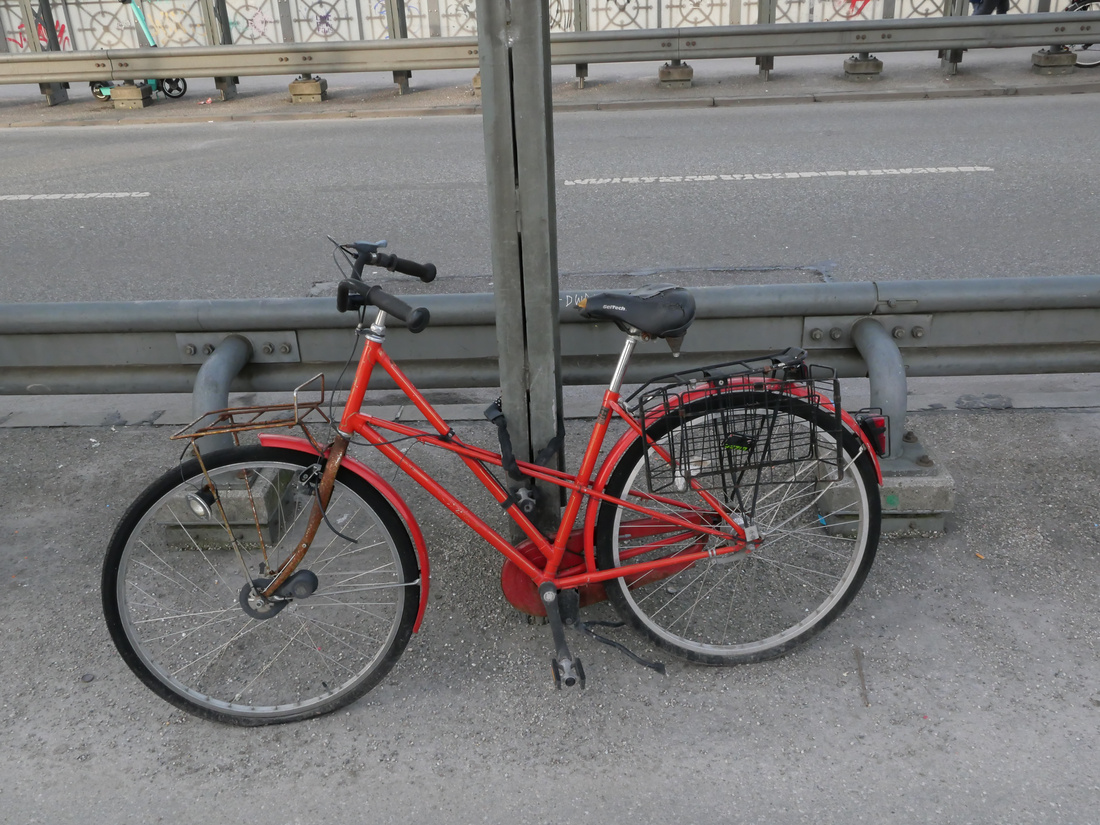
<point>862,95</point>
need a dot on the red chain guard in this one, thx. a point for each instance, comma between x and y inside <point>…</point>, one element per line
<point>522,593</point>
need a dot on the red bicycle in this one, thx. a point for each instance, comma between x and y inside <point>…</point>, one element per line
<point>735,516</point>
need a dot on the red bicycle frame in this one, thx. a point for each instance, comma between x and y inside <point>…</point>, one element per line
<point>380,434</point>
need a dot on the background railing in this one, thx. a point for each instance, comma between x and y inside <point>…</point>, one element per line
<point>86,25</point>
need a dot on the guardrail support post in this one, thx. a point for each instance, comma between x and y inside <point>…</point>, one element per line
<point>886,371</point>
<point>916,494</point>
<point>212,384</point>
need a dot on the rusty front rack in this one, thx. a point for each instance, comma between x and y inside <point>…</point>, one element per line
<point>236,420</point>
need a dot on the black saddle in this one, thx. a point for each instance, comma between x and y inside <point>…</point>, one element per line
<point>660,311</point>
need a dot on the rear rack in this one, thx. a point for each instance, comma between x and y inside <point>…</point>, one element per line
<point>712,435</point>
<point>237,420</point>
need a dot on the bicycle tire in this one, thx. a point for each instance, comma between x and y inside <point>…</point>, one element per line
<point>819,539</point>
<point>1088,54</point>
<point>174,590</point>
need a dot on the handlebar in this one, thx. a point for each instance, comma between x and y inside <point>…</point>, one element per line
<point>352,293</point>
<point>367,253</point>
<point>415,319</point>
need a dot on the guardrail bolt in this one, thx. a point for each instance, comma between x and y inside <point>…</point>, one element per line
<point>836,333</point>
<point>207,349</point>
<point>899,332</point>
<point>918,332</point>
<point>816,335</point>
<point>189,349</point>
<point>285,349</point>
<point>269,348</point>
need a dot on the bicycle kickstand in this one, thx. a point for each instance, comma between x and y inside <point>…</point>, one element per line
<point>567,669</point>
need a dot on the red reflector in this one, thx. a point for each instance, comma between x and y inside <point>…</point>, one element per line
<point>875,427</point>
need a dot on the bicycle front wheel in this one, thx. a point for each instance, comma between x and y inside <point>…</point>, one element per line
<point>811,503</point>
<point>1088,54</point>
<point>191,550</point>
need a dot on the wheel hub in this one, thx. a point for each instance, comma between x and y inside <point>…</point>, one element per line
<point>301,585</point>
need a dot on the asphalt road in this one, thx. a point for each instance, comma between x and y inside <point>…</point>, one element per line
<point>240,210</point>
<point>963,684</point>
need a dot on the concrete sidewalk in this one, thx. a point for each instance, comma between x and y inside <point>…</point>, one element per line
<point>963,685</point>
<point>906,76</point>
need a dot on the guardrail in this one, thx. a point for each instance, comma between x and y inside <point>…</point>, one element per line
<point>1052,29</point>
<point>939,328</point>
<point>884,331</point>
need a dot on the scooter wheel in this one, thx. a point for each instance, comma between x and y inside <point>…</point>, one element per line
<point>174,86</point>
<point>97,89</point>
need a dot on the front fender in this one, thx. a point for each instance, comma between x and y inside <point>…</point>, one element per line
<point>372,478</point>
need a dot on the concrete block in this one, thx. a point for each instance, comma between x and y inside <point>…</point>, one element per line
<point>917,494</point>
<point>132,95</point>
<point>675,75</point>
<point>55,93</point>
<point>309,90</point>
<point>1053,62</point>
<point>862,67</point>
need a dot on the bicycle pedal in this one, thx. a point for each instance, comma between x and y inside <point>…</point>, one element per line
<point>569,672</point>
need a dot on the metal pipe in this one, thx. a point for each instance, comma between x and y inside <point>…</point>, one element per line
<point>886,371</point>
<point>213,381</point>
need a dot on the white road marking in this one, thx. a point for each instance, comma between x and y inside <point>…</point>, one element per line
<point>836,173</point>
<point>74,196</point>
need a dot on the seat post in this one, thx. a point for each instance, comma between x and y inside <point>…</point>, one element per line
<point>624,362</point>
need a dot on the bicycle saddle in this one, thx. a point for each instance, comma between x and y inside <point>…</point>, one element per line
<point>659,311</point>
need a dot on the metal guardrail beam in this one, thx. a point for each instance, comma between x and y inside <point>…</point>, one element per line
<point>1052,29</point>
<point>967,327</point>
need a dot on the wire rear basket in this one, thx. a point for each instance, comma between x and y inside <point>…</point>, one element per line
<point>738,419</point>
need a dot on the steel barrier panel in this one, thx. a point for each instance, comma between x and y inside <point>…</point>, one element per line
<point>975,326</point>
<point>776,39</point>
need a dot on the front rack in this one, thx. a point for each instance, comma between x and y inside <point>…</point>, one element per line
<point>301,413</point>
<point>740,419</point>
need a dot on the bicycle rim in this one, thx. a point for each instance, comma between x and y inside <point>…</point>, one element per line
<point>818,534</point>
<point>175,590</point>
<point>1088,54</point>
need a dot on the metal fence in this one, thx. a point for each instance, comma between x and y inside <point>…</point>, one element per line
<point>87,25</point>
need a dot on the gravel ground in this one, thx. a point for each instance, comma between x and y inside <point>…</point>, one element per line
<point>963,684</point>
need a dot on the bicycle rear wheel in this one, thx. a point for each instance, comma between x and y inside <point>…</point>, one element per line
<point>175,589</point>
<point>818,527</point>
<point>1088,54</point>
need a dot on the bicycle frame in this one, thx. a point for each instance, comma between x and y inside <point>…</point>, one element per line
<point>586,486</point>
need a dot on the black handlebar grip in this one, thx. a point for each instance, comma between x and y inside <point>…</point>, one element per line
<point>425,272</point>
<point>418,319</point>
<point>348,297</point>
<point>415,319</point>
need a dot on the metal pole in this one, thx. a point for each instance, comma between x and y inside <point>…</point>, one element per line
<point>514,49</point>
<point>55,92</point>
<point>212,384</point>
<point>398,29</point>
<point>886,371</point>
